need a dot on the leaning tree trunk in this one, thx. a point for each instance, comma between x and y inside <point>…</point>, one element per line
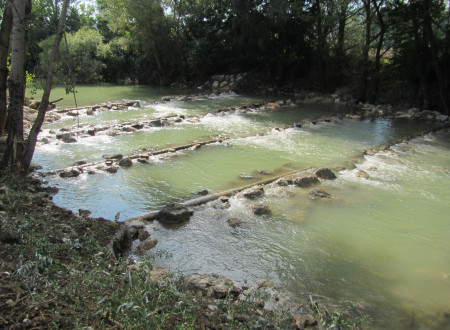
<point>5,36</point>
<point>32,137</point>
<point>15,144</point>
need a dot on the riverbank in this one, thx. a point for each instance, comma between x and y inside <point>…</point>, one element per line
<point>58,268</point>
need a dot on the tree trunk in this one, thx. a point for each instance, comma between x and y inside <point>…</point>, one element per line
<point>373,93</point>
<point>5,37</point>
<point>424,89</point>
<point>32,138</point>
<point>435,57</point>
<point>15,143</point>
<point>366,49</point>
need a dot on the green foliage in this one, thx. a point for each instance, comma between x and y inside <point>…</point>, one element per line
<point>80,58</point>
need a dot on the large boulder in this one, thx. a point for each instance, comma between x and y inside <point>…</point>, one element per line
<point>325,173</point>
<point>73,173</point>
<point>125,162</point>
<point>306,180</point>
<point>211,285</point>
<point>68,138</point>
<point>174,213</point>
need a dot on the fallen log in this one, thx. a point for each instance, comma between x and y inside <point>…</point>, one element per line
<point>203,200</point>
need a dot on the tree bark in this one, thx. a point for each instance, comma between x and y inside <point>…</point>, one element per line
<point>5,37</point>
<point>34,132</point>
<point>15,143</point>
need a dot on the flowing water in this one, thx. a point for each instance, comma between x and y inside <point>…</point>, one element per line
<point>381,242</point>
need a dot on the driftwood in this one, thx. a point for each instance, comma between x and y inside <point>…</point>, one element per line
<point>203,200</point>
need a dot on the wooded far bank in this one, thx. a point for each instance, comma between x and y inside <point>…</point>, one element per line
<point>384,50</point>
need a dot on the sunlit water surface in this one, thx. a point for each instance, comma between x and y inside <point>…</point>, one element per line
<point>382,242</point>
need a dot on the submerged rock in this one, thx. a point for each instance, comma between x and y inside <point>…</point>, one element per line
<point>362,175</point>
<point>325,173</point>
<point>174,213</point>
<point>146,245</point>
<point>320,194</point>
<point>261,209</point>
<point>234,222</point>
<point>112,169</point>
<point>212,285</point>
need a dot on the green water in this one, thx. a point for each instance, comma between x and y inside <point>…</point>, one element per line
<point>382,243</point>
<point>95,94</point>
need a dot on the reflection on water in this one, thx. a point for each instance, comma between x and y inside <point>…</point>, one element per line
<point>381,242</point>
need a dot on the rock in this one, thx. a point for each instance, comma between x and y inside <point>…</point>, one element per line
<point>69,174</point>
<point>35,167</point>
<point>285,181</point>
<point>156,123</point>
<point>128,129</point>
<point>247,176</point>
<point>442,118</point>
<point>112,169</point>
<point>174,213</point>
<point>261,209</point>
<point>254,193</point>
<point>306,181</point>
<point>90,112</point>
<point>138,126</point>
<point>84,213</point>
<point>148,244</point>
<point>80,162</point>
<point>67,138</point>
<point>126,162</point>
<point>212,285</point>
<point>224,199</point>
<point>91,132</point>
<point>303,321</point>
<point>325,173</point>
<point>319,194</point>
<point>272,106</point>
<point>362,175</point>
<point>234,222</point>
<point>143,234</point>
<point>114,156</point>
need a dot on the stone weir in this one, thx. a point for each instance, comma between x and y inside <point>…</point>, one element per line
<point>112,163</point>
<point>71,134</point>
<point>302,178</point>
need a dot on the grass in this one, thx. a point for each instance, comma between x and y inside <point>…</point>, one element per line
<point>56,272</point>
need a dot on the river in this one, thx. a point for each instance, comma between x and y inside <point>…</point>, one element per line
<point>381,242</point>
